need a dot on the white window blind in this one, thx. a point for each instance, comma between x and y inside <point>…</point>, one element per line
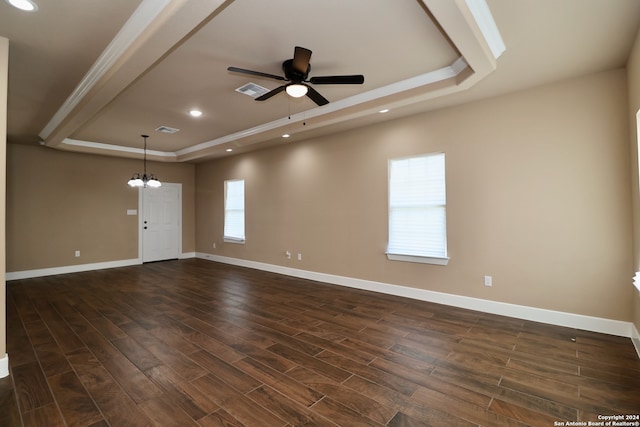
<point>417,209</point>
<point>234,211</point>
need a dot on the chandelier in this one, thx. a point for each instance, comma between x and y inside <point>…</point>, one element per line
<point>145,180</point>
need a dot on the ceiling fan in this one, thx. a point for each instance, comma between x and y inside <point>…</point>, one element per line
<point>296,72</point>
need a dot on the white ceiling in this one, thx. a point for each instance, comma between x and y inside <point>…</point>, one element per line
<point>92,76</point>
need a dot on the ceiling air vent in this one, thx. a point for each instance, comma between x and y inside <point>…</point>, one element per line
<point>167,129</point>
<point>253,90</point>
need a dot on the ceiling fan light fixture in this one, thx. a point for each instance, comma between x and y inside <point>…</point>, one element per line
<point>26,5</point>
<point>296,70</point>
<point>297,90</point>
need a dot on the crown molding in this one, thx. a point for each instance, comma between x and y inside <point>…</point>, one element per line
<point>142,18</point>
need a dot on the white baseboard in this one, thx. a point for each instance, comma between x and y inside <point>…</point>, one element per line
<point>29,274</point>
<point>4,366</point>
<point>571,320</point>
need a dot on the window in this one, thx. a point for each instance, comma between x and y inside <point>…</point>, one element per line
<point>417,210</point>
<point>234,211</point>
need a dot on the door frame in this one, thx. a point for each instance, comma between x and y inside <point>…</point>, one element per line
<point>141,220</point>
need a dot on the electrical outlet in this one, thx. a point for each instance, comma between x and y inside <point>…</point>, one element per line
<point>214,245</point>
<point>77,254</point>
<point>488,281</point>
<point>299,257</point>
<point>288,254</point>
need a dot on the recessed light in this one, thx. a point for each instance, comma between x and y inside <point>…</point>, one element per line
<point>26,5</point>
<point>286,135</point>
<point>195,113</point>
<point>228,150</point>
<point>385,110</point>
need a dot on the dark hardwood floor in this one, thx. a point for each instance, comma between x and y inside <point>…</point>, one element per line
<point>193,342</point>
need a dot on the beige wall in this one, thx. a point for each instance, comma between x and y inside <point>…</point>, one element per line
<point>633,75</point>
<point>59,202</point>
<point>538,187</point>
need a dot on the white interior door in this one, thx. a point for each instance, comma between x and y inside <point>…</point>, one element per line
<point>161,222</point>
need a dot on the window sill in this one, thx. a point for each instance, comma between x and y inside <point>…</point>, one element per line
<point>418,259</point>
<point>233,240</point>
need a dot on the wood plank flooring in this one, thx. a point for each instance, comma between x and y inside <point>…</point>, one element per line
<point>193,342</point>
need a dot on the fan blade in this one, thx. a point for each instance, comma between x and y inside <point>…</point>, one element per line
<point>271,93</point>
<point>356,79</point>
<point>301,58</point>
<point>255,73</point>
<point>316,97</point>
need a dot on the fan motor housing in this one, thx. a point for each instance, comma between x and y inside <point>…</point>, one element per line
<point>293,75</point>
